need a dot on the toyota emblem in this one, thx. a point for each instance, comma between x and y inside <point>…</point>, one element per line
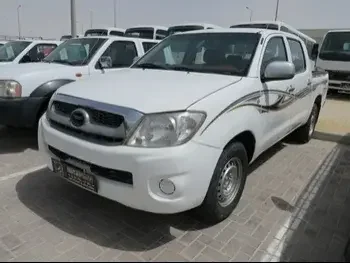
<point>79,117</point>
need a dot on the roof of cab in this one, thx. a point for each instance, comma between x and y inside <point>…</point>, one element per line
<point>144,26</point>
<point>38,41</point>
<point>232,30</point>
<point>196,24</point>
<point>122,38</point>
<point>108,28</point>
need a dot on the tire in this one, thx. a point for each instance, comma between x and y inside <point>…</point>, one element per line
<point>304,133</point>
<point>214,209</point>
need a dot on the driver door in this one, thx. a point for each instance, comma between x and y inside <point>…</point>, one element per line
<point>275,101</point>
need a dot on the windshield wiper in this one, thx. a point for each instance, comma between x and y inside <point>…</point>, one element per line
<point>150,66</point>
<point>183,68</point>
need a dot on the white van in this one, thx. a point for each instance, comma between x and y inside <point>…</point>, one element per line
<point>109,31</point>
<point>334,57</point>
<point>147,32</point>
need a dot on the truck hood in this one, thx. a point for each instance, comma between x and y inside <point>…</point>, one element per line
<point>149,90</point>
<point>18,71</point>
<point>5,63</point>
<point>32,75</point>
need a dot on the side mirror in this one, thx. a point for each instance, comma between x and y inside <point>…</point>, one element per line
<point>136,59</point>
<point>278,70</point>
<point>314,52</point>
<point>105,62</point>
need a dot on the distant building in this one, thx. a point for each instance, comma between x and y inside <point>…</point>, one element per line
<point>318,34</point>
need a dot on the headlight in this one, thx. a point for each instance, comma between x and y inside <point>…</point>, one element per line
<point>10,89</point>
<point>166,129</point>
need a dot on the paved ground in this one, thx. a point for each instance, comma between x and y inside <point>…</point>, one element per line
<point>335,115</point>
<point>294,208</point>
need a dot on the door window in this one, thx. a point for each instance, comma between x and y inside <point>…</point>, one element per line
<point>38,53</point>
<point>298,57</point>
<point>120,54</point>
<point>275,51</point>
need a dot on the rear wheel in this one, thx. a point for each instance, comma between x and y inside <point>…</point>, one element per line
<point>226,186</point>
<point>305,132</point>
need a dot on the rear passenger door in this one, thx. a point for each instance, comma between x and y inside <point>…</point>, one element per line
<point>119,54</point>
<point>301,83</point>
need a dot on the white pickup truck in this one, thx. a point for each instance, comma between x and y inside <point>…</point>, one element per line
<point>168,137</point>
<point>26,51</point>
<point>26,89</point>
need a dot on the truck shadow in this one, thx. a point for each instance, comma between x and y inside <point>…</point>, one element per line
<point>106,223</point>
<point>319,226</point>
<point>17,140</point>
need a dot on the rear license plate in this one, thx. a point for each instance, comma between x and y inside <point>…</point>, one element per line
<point>75,175</point>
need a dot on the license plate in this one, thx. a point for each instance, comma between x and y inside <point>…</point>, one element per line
<point>345,86</point>
<point>75,175</point>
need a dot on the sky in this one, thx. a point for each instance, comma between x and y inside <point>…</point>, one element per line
<point>51,18</point>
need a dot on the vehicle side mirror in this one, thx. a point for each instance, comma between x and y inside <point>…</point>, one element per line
<point>278,70</point>
<point>105,62</point>
<point>314,52</point>
<point>136,59</point>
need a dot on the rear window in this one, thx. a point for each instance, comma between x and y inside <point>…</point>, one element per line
<point>148,45</point>
<point>179,29</point>
<point>144,32</point>
<point>96,32</point>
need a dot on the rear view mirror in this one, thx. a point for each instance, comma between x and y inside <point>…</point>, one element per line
<point>314,52</point>
<point>279,70</point>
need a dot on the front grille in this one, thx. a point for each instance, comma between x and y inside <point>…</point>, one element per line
<point>91,137</point>
<point>339,75</point>
<point>111,174</point>
<point>98,117</point>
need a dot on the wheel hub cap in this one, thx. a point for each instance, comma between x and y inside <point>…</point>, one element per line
<point>229,182</point>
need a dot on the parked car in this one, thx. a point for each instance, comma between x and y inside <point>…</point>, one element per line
<point>26,51</point>
<point>171,134</point>
<point>25,89</point>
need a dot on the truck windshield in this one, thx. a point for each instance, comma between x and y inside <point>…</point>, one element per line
<point>217,53</point>
<point>144,32</point>
<point>336,47</point>
<point>75,52</point>
<point>11,50</point>
<point>179,29</point>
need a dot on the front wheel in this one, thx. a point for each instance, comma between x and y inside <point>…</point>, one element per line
<point>226,186</point>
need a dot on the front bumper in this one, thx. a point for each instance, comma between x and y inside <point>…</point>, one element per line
<point>189,167</point>
<point>21,112</point>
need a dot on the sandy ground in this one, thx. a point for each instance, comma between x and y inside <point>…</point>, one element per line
<point>335,116</point>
